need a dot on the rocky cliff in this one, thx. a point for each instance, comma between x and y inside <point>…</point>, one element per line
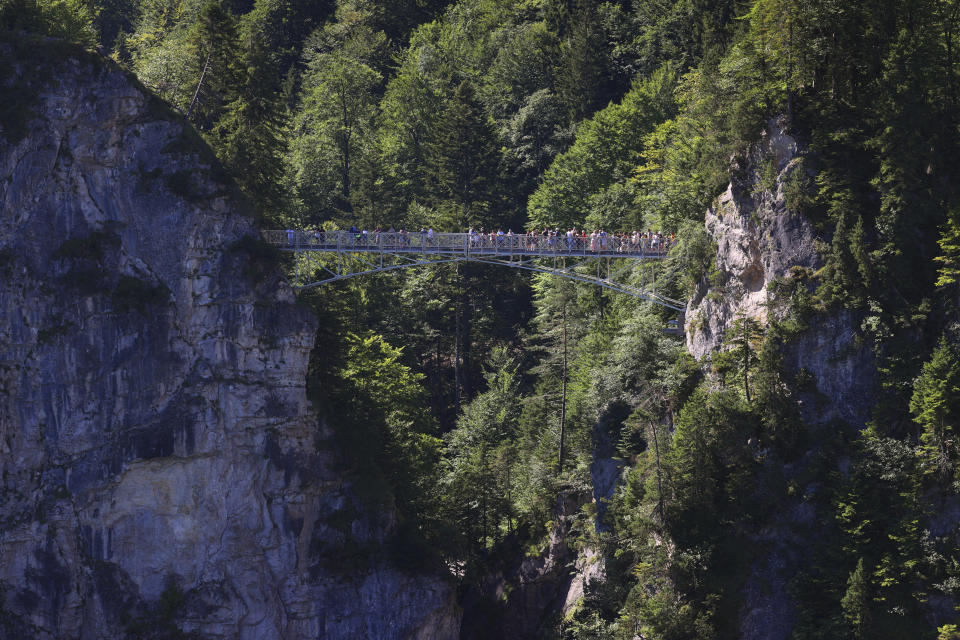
<point>162,471</point>
<point>762,240</point>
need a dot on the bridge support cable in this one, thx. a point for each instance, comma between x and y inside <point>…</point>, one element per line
<point>328,256</point>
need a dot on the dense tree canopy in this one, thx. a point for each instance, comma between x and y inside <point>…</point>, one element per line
<point>469,400</point>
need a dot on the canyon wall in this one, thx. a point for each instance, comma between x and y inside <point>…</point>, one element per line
<point>162,469</point>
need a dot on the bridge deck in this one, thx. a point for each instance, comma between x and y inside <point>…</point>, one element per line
<point>460,244</point>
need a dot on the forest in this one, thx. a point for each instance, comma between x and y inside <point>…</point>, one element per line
<point>473,400</point>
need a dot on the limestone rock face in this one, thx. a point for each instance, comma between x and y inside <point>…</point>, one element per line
<point>160,466</point>
<point>760,239</point>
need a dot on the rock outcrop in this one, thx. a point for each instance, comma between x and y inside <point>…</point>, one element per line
<point>760,239</point>
<point>523,597</point>
<point>162,470</point>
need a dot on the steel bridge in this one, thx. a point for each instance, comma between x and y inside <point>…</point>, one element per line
<point>605,261</point>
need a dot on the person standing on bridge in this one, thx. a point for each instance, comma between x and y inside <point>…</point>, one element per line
<point>290,237</point>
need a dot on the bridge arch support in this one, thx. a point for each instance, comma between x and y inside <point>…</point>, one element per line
<point>325,257</point>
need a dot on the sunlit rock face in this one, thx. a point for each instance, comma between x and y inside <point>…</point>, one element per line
<point>162,469</point>
<point>762,238</point>
<point>758,237</point>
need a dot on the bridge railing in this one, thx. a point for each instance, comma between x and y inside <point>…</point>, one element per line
<point>470,243</point>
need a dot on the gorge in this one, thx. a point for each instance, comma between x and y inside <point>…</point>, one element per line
<point>760,442</point>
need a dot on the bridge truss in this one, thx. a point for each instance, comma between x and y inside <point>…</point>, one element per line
<point>609,262</point>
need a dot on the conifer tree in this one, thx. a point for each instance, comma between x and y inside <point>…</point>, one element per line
<point>463,161</point>
<point>480,453</point>
<point>936,407</point>
<point>247,137</point>
<point>582,79</point>
<point>218,63</point>
<point>856,602</point>
<point>949,259</point>
<point>743,341</point>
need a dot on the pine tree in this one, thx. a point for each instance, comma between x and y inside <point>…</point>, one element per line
<point>582,79</point>
<point>479,455</point>
<point>848,272</point>
<point>856,602</point>
<point>247,137</point>
<point>463,160</point>
<point>936,407</point>
<point>950,252</point>
<point>218,58</point>
<point>743,340</point>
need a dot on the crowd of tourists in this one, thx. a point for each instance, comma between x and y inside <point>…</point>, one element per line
<point>574,239</point>
<point>571,240</point>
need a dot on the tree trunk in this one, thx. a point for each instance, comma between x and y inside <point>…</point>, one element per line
<point>466,348</point>
<point>438,373</point>
<point>656,450</point>
<point>563,392</point>
<point>746,375</point>
<point>196,94</point>
<point>457,310</point>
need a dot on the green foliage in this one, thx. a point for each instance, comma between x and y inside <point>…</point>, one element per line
<point>711,465</point>
<point>607,148</point>
<point>215,47</point>
<point>856,602</point>
<point>582,67</point>
<point>948,632</point>
<point>380,390</point>
<point>248,136</point>
<point>742,341</point>
<point>478,456</point>
<point>334,124</point>
<point>616,115</point>
<point>949,259</point>
<point>71,20</point>
<point>845,278</point>
<point>880,513</point>
<point>463,163</point>
<point>935,406</point>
